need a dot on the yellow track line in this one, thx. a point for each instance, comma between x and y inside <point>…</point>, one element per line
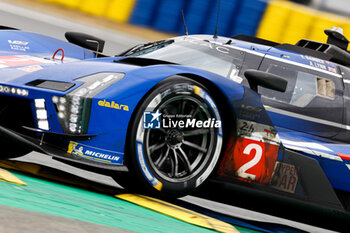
<point>178,212</point>
<point>6,176</point>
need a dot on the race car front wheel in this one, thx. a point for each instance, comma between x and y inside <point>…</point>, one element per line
<point>175,139</point>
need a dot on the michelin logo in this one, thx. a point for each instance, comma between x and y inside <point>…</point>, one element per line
<point>101,155</point>
<point>93,153</point>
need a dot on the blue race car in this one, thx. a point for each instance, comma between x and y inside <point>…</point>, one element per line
<point>163,117</point>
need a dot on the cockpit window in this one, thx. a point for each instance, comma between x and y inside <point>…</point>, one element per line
<point>190,52</point>
<point>305,89</point>
<point>302,87</point>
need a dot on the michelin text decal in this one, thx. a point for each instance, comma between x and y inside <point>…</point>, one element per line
<point>93,153</point>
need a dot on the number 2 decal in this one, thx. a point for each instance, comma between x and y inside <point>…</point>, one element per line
<point>242,171</point>
<point>251,155</point>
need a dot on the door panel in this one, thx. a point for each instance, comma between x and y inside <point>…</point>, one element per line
<point>313,102</point>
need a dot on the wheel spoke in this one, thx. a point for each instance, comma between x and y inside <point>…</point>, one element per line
<point>172,172</point>
<point>175,167</point>
<point>185,159</point>
<point>161,159</point>
<point>195,132</point>
<point>153,148</point>
<point>195,146</point>
<point>183,104</point>
<point>194,111</point>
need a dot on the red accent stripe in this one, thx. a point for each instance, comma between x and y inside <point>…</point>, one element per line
<point>344,156</point>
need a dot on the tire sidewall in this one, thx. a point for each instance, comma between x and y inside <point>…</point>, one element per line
<point>139,163</point>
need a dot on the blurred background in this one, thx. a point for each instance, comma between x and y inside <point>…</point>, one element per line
<point>278,20</point>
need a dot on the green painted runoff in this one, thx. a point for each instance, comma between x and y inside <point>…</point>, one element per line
<point>62,200</point>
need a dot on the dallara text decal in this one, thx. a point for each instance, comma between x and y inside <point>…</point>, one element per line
<point>113,104</point>
<point>93,153</point>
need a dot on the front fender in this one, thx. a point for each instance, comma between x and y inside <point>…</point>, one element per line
<point>112,109</point>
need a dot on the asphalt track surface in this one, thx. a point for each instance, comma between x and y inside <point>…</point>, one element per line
<point>55,26</point>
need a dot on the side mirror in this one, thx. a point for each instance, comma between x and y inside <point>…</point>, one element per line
<point>261,78</point>
<point>2,27</point>
<point>86,41</point>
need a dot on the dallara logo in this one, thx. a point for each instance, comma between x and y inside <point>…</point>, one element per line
<point>113,104</point>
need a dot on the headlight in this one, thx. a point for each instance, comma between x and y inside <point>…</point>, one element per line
<point>41,114</point>
<point>73,109</point>
<point>13,90</point>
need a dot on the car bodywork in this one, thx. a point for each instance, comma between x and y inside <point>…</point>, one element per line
<point>78,109</point>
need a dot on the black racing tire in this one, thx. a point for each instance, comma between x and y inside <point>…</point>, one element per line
<point>10,150</point>
<point>173,161</point>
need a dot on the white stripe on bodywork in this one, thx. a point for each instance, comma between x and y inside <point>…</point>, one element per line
<point>311,145</point>
<point>307,118</point>
<point>311,148</point>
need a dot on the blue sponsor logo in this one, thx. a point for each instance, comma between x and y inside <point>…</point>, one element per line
<point>151,120</point>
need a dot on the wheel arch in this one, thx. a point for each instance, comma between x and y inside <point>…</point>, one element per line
<point>225,111</point>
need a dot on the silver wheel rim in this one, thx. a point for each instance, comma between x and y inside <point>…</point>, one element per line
<point>175,154</point>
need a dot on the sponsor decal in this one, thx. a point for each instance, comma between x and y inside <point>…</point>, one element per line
<point>271,133</point>
<point>319,63</point>
<point>315,62</point>
<point>218,48</point>
<point>93,153</point>
<point>30,68</point>
<point>18,45</point>
<point>256,131</point>
<point>151,179</point>
<point>249,112</point>
<point>17,42</point>
<point>285,177</point>
<point>251,108</point>
<point>113,104</point>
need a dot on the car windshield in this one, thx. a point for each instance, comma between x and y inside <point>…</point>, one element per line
<point>194,53</point>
